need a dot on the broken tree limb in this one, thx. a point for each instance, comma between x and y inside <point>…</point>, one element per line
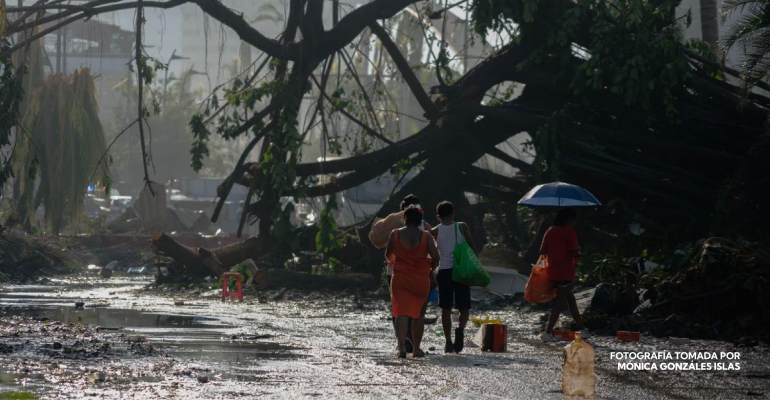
<point>431,112</point>
<point>201,261</point>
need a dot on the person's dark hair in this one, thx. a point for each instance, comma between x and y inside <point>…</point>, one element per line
<point>445,209</point>
<point>413,216</point>
<point>409,200</point>
<point>563,216</point>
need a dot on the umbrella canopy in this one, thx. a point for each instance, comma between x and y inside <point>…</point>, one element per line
<point>559,194</point>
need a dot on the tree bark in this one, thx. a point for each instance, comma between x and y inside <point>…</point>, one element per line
<point>201,261</point>
<point>709,24</point>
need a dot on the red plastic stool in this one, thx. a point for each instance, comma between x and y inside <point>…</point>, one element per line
<point>225,283</point>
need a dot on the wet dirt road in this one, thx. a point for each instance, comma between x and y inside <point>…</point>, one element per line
<point>303,345</point>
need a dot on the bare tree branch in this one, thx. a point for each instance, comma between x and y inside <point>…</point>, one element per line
<point>359,177</point>
<point>107,151</point>
<point>431,112</point>
<point>140,87</point>
<point>510,160</point>
<point>78,16</point>
<point>348,62</point>
<point>353,118</point>
<point>329,42</point>
<point>224,191</point>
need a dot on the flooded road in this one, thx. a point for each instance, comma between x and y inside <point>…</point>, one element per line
<point>297,345</point>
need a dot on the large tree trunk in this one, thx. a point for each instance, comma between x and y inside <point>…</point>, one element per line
<point>202,261</point>
<point>709,24</point>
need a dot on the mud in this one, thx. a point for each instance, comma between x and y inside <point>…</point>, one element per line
<point>303,345</point>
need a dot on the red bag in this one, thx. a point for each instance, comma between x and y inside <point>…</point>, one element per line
<point>539,288</point>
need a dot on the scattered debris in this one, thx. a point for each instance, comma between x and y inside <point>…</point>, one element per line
<point>626,336</point>
<point>614,299</point>
<point>136,338</point>
<point>105,273</point>
<point>138,271</point>
<point>678,341</point>
<point>24,257</point>
<point>725,288</point>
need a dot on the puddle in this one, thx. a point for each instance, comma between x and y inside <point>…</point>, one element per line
<point>115,318</point>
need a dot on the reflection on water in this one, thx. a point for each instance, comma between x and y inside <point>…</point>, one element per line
<point>190,337</point>
<point>116,318</point>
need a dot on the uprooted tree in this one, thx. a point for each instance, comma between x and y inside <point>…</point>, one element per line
<point>612,98</point>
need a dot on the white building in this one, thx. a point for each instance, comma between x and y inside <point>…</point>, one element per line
<point>694,31</point>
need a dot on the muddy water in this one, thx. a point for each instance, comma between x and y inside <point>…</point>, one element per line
<point>309,345</point>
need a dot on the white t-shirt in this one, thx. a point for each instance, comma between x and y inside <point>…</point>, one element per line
<point>446,241</point>
<point>390,267</point>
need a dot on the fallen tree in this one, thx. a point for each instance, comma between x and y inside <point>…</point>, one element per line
<point>612,100</point>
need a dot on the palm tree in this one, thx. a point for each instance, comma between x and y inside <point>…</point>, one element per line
<point>709,24</point>
<point>751,34</point>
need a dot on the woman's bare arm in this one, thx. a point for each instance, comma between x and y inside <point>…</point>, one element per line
<point>389,247</point>
<point>433,251</point>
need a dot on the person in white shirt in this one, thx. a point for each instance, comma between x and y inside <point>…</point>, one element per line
<point>451,294</point>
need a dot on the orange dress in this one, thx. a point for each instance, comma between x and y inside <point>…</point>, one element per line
<point>410,286</point>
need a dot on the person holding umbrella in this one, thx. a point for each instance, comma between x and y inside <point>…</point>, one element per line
<point>560,245</point>
<point>561,249</point>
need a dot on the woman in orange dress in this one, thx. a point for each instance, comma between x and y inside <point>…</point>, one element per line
<point>412,275</point>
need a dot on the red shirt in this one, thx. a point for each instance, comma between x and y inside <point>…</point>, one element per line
<point>558,243</point>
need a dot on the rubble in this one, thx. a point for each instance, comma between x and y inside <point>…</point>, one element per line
<point>24,257</point>
<point>722,293</point>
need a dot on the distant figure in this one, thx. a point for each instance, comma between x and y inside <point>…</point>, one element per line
<point>410,285</point>
<point>451,294</point>
<point>560,246</point>
<point>409,200</point>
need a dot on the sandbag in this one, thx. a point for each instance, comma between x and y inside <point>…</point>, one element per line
<point>381,229</point>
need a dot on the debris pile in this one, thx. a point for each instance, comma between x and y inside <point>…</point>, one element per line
<point>724,293</point>
<point>24,257</point>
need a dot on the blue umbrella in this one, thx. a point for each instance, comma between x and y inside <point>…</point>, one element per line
<point>559,194</point>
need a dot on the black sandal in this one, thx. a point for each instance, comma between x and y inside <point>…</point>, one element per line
<point>459,340</point>
<point>402,354</point>
<point>418,353</point>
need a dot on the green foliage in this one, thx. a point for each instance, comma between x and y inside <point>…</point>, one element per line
<point>18,396</point>
<point>332,266</point>
<point>546,142</point>
<point>606,268</point>
<point>494,15</point>
<point>750,34</point>
<point>635,54</point>
<point>244,270</point>
<point>704,50</point>
<point>632,58</point>
<point>327,239</point>
<point>200,148</point>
